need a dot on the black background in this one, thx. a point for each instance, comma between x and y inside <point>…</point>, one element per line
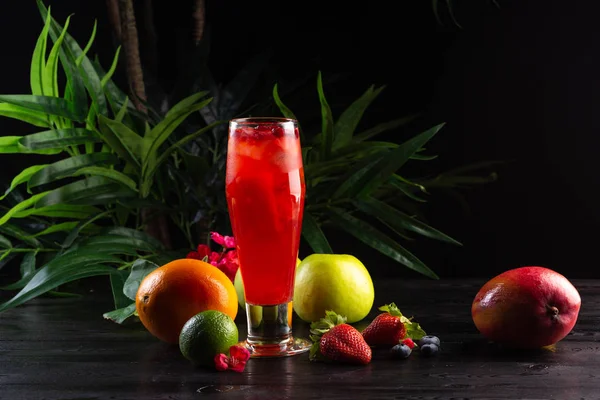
<point>517,84</point>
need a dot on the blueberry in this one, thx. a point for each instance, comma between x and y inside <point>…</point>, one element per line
<point>400,351</point>
<point>429,349</point>
<point>430,340</point>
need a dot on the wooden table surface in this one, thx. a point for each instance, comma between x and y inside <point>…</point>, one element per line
<point>64,349</point>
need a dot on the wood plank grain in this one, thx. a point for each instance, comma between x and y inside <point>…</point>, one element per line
<point>63,349</point>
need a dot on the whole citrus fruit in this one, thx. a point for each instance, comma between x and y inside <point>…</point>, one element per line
<point>336,282</point>
<point>170,295</point>
<point>207,334</point>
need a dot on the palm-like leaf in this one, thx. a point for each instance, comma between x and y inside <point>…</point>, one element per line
<point>111,155</point>
<point>353,177</point>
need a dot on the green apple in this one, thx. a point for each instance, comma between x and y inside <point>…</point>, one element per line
<point>239,285</point>
<point>336,282</point>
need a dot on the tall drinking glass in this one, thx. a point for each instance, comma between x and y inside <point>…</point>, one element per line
<point>265,196</point>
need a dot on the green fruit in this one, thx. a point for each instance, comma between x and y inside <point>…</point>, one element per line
<point>239,285</point>
<point>239,288</point>
<point>333,282</point>
<point>207,334</point>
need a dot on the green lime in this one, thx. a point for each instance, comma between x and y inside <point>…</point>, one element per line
<point>207,334</point>
<point>335,282</point>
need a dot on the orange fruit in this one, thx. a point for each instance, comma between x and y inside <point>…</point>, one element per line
<point>172,294</point>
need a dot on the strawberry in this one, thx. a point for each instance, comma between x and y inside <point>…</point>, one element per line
<point>390,327</point>
<point>409,342</point>
<point>335,340</point>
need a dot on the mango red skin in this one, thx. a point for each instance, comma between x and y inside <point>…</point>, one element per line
<point>515,308</point>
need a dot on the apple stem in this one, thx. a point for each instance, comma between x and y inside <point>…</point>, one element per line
<point>553,312</point>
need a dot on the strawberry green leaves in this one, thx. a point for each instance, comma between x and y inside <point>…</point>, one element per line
<point>321,327</point>
<point>413,329</point>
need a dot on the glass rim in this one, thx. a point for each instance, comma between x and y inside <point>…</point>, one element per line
<point>254,120</point>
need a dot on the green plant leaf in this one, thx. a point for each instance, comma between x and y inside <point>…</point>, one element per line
<point>115,96</point>
<point>17,285</point>
<point>350,118</point>
<point>422,157</point>
<point>327,132</point>
<point>68,167</point>
<point>113,67</point>
<point>45,104</point>
<point>122,140</point>
<point>22,206</point>
<point>199,165</point>
<point>380,172</point>
<point>113,249</point>
<point>161,132</point>
<point>134,235</point>
<point>118,195</point>
<point>69,53</point>
<point>4,242</point>
<point>353,178</point>
<point>157,136</point>
<point>24,114</point>
<point>88,46</point>
<point>282,107</point>
<point>123,111</point>
<point>379,241</point>
<point>6,254</point>
<point>60,227</point>
<point>23,177</point>
<point>73,211</point>
<point>148,179</point>
<point>395,159</point>
<point>383,127</point>
<point>182,107</point>
<point>50,80</point>
<point>355,151</point>
<point>19,234</point>
<point>7,258</point>
<point>139,270</point>
<point>399,220</point>
<point>93,84</point>
<point>117,282</point>
<point>408,187</point>
<point>286,111</point>
<point>81,225</point>
<point>38,60</point>
<point>121,314</point>
<point>27,269</point>
<point>10,144</point>
<point>107,173</point>
<point>28,263</point>
<point>61,270</point>
<point>88,190</point>
<point>314,235</point>
<point>105,243</point>
<point>58,139</point>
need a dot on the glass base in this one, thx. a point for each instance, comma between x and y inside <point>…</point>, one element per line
<point>291,347</point>
<point>270,332</point>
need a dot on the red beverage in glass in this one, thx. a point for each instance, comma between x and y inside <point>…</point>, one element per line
<point>265,195</point>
